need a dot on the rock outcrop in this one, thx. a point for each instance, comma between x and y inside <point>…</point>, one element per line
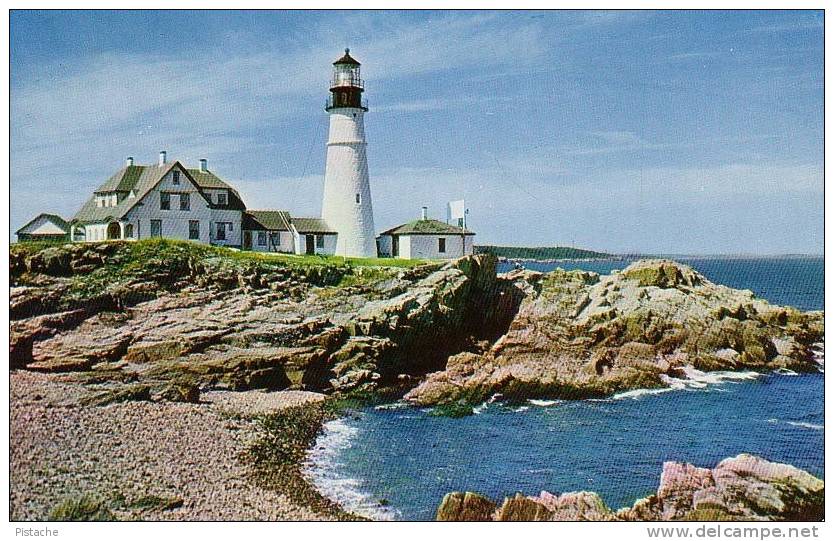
<point>178,316</point>
<point>579,335</point>
<point>162,313</point>
<point>740,488</point>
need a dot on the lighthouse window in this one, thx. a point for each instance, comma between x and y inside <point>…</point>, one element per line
<point>358,198</point>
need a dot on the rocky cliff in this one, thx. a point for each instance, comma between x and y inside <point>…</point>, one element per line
<point>578,335</point>
<point>740,488</point>
<point>162,320</point>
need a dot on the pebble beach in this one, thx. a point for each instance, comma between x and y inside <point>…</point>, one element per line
<point>189,454</point>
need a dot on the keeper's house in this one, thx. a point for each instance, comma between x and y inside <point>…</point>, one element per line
<point>169,200</point>
<point>426,239</point>
<point>48,227</point>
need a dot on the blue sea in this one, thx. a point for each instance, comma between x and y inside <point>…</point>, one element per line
<point>397,462</point>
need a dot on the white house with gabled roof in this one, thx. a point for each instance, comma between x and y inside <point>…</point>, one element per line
<point>162,200</point>
<point>170,200</point>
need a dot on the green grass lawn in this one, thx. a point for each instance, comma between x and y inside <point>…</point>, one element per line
<point>331,259</point>
<point>159,247</point>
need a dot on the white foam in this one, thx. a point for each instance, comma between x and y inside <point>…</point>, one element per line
<point>322,469</point>
<point>785,372</point>
<point>544,403</point>
<point>695,380</point>
<point>477,410</point>
<point>721,376</point>
<point>398,405</point>
<point>637,393</point>
<point>803,424</point>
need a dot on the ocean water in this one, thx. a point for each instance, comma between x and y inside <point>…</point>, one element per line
<point>397,462</point>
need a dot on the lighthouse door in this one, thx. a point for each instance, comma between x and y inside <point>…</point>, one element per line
<point>311,244</point>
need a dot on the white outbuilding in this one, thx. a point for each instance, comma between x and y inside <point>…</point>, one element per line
<point>426,239</point>
<point>44,226</point>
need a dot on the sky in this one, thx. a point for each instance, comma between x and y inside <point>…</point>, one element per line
<point>620,131</point>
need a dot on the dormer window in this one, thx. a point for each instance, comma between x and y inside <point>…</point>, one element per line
<point>222,199</point>
<point>176,178</point>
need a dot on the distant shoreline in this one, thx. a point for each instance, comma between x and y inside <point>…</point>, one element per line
<point>634,257</point>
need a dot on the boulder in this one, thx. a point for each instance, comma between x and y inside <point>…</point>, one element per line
<point>465,507</point>
<point>744,487</point>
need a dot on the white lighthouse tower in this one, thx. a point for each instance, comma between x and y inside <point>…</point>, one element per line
<point>347,191</point>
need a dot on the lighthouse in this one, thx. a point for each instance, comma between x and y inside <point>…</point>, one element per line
<point>347,207</point>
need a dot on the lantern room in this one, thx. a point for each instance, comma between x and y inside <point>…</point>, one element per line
<point>346,86</point>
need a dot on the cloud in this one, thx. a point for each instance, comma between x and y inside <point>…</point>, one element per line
<point>789,27</point>
<point>232,106</point>
<point>613,210</point>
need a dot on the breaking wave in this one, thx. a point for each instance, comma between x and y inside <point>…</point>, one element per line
<point>323,469</point>
<point>695,380</point>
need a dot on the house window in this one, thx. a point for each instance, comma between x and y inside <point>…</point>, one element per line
<point>358,198</point>
<point>156,228</point>
<point>319,241</point>
<point>176,178</point>
<point>221,231</point>
<point>129,231</point>
<point>261,238</point>
<point>222,199</point>
<point>164,201</point>
<point>194,229</point>
<point>441,246</point>
<point>185,201</point>
<point>275,238</point>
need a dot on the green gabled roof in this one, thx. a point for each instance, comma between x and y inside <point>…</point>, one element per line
<point>148,177</point>
<point>57,220</point>
<point>427,227</point>
<point>312,225</point>
<point>272,220</point>
<point>140,179</point>
<point>207,179</point>
<point>123,180</point>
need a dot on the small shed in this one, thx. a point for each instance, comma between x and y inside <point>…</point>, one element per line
<point>49,227</point>
<point>426,239</point>
<point>267,231</point>
<point>313,236</point>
